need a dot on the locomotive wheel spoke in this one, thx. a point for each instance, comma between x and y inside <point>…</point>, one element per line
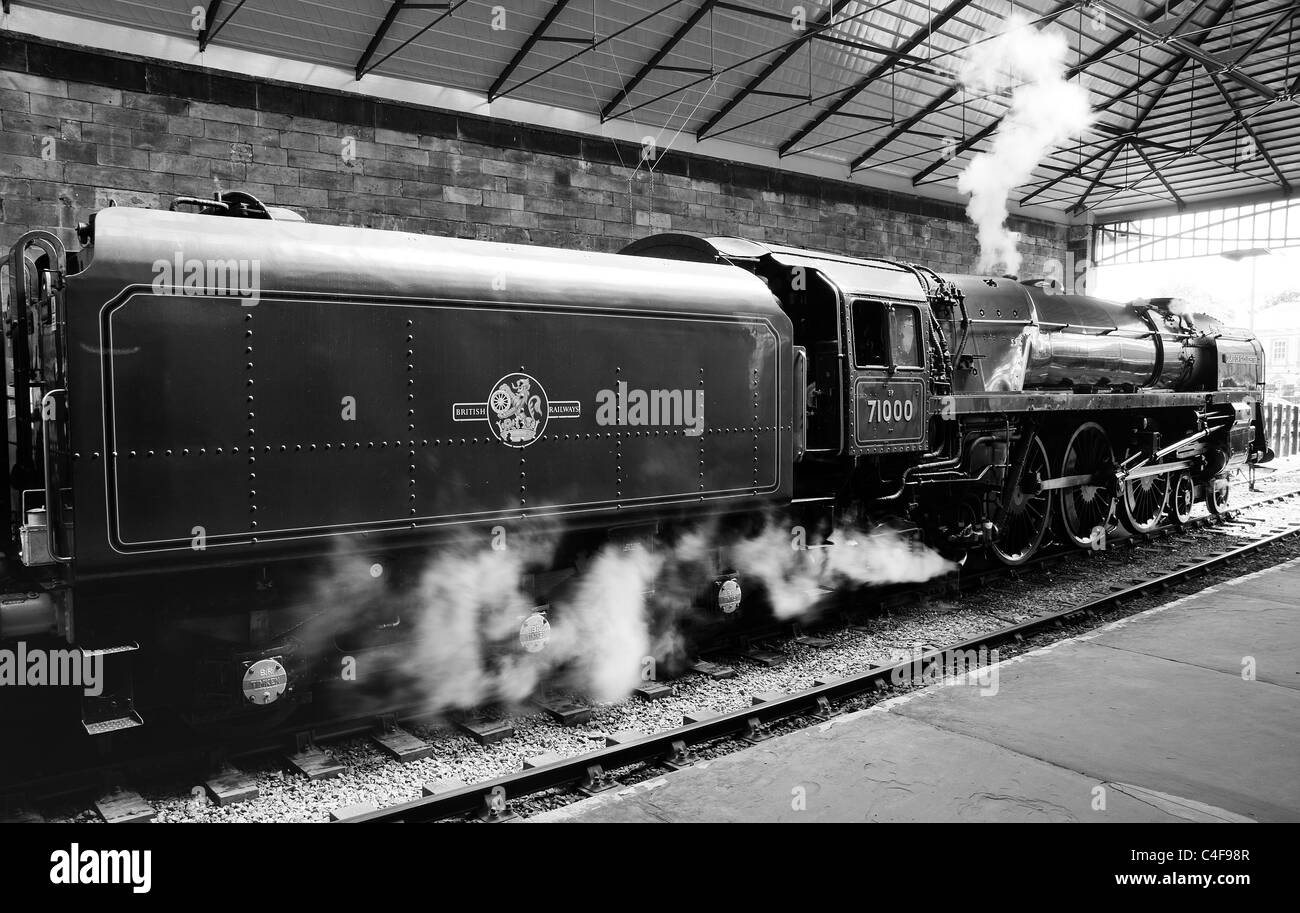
<point>1142,502</point>
<point>1217,491</point>
<point>1085,507</point>
<point>1183,498</point>
<point>1024,525</point>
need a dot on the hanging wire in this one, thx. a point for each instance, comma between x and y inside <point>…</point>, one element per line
<point>1137,96</point>
<point>893,97</point>
<point>929,28</point>
<point>810,71</point>
<point>1078,50</point>
<point>1291,35</point>
<point>713,62</point>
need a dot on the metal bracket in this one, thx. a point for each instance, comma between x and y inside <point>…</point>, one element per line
<point>496,808</point>
<point>679,755</point>
<point>755,731</point>
<point>595,780</point>
<point>824,709</point>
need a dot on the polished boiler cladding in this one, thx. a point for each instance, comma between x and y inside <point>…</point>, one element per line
<point>209,402</point>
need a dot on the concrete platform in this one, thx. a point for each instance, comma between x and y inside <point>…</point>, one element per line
<point>1147,719</point>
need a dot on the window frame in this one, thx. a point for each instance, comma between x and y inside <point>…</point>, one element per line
<point>919,338</point>
<point>891,331</point>
<point>883,307</point>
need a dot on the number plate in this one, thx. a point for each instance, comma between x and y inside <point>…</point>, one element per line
<point>889,412</point>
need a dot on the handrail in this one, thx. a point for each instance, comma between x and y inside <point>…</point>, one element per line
<point>53,506</point>
<point>19,305</point>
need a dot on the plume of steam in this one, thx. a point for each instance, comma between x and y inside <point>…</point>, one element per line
<point>1045,111</point>
<point>469,605</point>
<point>602,630</point>
<point>629,602</point>
<point>788,573</point>
<point>797,579</point>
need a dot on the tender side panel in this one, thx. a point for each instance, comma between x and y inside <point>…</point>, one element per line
<point>331,411</point>
<point>639,408</point>
<point>305,418</point>
<point>174,453</point>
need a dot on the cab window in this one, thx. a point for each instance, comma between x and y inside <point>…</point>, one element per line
<point>907,337</point>
<point>870,334</point>
<point>881,339</point>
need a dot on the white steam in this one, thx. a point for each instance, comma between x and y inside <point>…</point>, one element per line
<point>1045,111</point>
<point>625,610</point>
<point>602,630</point>
<point>797,579</point>
<point>469,608</point>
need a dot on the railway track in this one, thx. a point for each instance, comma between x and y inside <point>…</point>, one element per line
<point>653,750</point>
<point>490,801</point>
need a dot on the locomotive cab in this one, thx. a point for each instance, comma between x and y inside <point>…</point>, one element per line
<point>865,328</point>
<point>889,375</point>
<point>863,324</point>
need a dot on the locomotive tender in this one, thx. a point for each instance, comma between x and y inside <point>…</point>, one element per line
<point>205,403</point>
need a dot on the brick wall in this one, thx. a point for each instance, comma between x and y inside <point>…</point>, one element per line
<point>78,128</point>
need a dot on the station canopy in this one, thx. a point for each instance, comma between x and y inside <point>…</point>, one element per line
<point>1195,100</point>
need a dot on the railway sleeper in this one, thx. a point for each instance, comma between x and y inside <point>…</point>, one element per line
<point>313,762</point>
<point>399,744</point>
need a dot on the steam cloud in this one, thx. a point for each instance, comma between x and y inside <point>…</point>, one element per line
<point>627,602</point>
<point>796,580</point>
<point>602,630</point>
<point>1045,111</point>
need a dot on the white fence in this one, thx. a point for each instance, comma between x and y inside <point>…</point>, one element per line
<point>1282,423</point>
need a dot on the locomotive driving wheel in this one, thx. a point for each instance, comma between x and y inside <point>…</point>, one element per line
<point>1027,515</point>
<point>1217,490</point>
<point>1084,508</point>
<point>1180,505</point>
<point>1142,503</point>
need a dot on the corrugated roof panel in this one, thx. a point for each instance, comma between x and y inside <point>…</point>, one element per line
<point>737,40</point>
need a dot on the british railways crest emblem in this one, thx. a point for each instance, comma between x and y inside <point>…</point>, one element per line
<point>517,410</point>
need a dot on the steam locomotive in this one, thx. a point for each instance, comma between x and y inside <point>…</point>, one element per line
<point>206,401</point>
